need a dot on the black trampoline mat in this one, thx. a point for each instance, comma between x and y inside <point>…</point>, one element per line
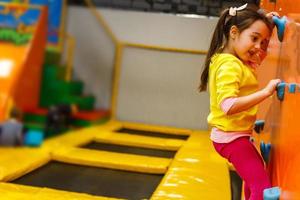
<point>92,180</point>
<point>152,134</point>
<point>130,150</point>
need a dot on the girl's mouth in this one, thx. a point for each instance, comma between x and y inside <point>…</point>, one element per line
<point>251,53</point>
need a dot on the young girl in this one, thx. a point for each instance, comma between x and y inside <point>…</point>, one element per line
<point>238,45</point>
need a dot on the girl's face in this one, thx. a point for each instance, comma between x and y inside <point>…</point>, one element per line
<point>251,43</point>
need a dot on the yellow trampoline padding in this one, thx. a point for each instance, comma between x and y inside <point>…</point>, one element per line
<point>15,162</point>
<point>105,133</point>
<point>197,172</point>
<point>114,125</point>
<point>111,125</point>
<point>112,160</point>
<point>11,191</point>
<point>140,141</point>
<point>155,128</point>
<point>72,138</point>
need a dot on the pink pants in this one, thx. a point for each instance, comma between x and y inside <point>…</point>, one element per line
<point>248,164</point>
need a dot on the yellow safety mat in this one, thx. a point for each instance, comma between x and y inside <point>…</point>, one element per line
<point>140,141</point>
<point>15,162</point>
<point>9,191</point>
<point>129,162</point>
<point>197,172</point>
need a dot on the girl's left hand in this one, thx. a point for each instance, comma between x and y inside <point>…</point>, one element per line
<point>271,86</point>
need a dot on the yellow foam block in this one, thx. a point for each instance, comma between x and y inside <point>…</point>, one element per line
<point>72,138</point>
<point>197,172</point>
<point>15,162</point>
<point>194,159</point>
<point>199,140</point>
<point>112,160</point>
<point>11,191</point>
<point>110,126</point>
<point>203,183</point>
<point>155,128</point>
<point>140,141</point>
<point>198,149</point>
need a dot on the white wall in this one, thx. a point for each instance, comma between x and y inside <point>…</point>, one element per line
<point>160,29</point>
<point>94,55</point>
<point>160,88</point>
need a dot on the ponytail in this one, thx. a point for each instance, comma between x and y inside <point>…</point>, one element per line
<point>216,45</point>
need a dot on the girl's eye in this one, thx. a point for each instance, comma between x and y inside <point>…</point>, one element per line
<point>254,38</point>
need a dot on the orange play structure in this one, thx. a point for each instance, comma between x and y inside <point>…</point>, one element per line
<point>283,7</point>
<point>282,125</point>
<point>20,69</point>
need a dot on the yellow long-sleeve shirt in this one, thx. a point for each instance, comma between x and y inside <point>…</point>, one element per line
<point>229,77</point>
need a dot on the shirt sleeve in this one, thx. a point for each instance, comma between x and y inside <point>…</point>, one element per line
<point>227,104</point>
<point>228,78</point>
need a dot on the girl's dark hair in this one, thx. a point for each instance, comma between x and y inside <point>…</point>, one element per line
<point>242,20</point>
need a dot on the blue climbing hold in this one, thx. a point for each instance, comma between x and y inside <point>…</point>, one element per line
<point>292,87</point>
<point>265,150</point>
<point>280,90</point>
<point>272,193</point>
<point>259,125</point>
<point>280,24</point>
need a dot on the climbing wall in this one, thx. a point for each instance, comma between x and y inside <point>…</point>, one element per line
<point>282,116</point>
<point>283,7</point>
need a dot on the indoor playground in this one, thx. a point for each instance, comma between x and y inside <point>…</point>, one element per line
<point>105,96</point>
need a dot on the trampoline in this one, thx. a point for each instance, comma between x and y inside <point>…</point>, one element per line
<point>130,150</point>
<point>152,134</point>
<point>92,180</point>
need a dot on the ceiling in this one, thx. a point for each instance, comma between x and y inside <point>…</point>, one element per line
<point>199,7</point>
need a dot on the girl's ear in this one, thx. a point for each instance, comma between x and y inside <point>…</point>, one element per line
<point>234,31</point>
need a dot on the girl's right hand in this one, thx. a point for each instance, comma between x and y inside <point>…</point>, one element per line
<point>271,14</point>
<point>271,87</point>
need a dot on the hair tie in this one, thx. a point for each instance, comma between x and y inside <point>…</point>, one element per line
<point>232,10</point>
